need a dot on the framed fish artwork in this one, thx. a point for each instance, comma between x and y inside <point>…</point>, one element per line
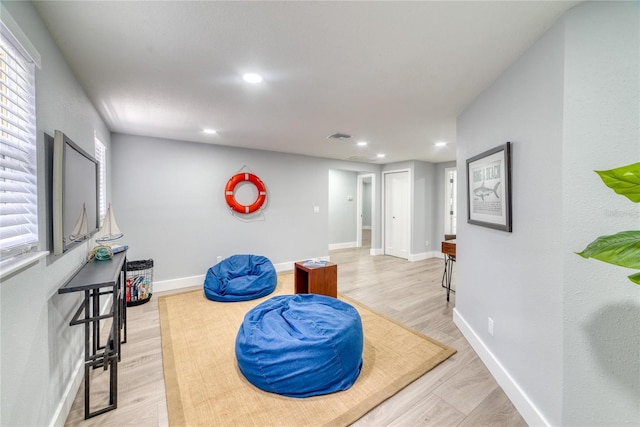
<point>489,188</point>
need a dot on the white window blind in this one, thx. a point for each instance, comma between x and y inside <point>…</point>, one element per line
<point>101,157</point>
<point>18,167</point>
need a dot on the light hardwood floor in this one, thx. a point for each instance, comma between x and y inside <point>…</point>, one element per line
<point>459,392</point>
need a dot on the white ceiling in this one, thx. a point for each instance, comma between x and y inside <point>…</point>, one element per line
<point>395,74</point>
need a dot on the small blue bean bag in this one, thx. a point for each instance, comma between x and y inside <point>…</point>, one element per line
<point>301,345</point>
<point>240,278</point>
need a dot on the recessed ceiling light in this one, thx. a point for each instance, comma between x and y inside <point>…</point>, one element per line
<point>380,155</point>
<point>210,131</point>
<point>440,144</point>
<point>252,78</point>
<point>361,143</point>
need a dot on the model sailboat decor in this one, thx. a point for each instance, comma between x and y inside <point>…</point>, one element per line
<point>81,229</point>
<point>109,231</point>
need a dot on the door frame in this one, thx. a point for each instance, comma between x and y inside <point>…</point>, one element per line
<point>408,207</point>
<point>359,210</point>
<point>447,185</point>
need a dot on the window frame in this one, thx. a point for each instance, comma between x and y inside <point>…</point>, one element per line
<point>18,148</point>
<point>101,157</point>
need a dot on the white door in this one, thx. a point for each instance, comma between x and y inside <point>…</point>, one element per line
<point>396,214</point>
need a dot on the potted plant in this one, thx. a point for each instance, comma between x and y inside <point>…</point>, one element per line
<point>623,248</point>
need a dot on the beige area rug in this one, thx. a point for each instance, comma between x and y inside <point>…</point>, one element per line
<point>205,388</point>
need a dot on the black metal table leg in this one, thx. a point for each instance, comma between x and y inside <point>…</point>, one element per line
<point>448,272</point>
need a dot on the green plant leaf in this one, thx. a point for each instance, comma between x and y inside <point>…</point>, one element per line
<point>624,180</point>
<point>621,249</point>
<point>635,278</point>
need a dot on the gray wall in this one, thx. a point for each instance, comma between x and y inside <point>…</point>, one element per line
<point>342,211</point>
<point>423,207</point>
<point>169,200</point>
<point>516,278</point>
<point>39,352</point>
<point>366,204</point>
<point>566,342</point>
<point>601,310</point>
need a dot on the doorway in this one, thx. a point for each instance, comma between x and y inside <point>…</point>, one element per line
<point>364,215</point>
<point>396,213</point>
<point>450,200</point>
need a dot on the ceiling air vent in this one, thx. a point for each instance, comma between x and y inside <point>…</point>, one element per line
<point>362,159</point>
<point>339,136</point>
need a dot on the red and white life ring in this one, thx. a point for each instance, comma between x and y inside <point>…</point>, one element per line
<point>229,193</point>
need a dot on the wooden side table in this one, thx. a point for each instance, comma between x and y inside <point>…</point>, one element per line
<point>449,251</point>
<point>321,280</point>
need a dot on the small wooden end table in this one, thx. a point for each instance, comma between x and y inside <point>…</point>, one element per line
<point>321,280</point>
<point>449,251</point>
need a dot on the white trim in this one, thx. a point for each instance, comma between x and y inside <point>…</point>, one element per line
<point>344,245</point>
<point>21,39</point>
<point>375,227</point>
<point>100,151</point>
<point>68,396</point>
<point>20,262</point>
<point>286,267</point>
<point>193,281</point>
<point>359,202</point>
<point>183,282</point>
<point>516,394</point>
<point>376,251</point>
<point>359,181</point>
<point>446,200</point>
<point>424,255</point>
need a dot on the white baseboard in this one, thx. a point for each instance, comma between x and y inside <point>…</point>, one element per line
<point>423,256</point>
<point>376,251</point>
<point>68,396</point>
<point>188,282</point>
<point>285,267</point>
<point>183,282</point>
<point>345,245</point>
<point>518,397</point>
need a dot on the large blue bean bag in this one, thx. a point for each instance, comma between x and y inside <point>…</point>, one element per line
<point>240,278</point>
<point>301,345</point>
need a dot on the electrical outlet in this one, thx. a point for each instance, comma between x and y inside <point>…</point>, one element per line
<point>490,325</point>
<point>426,244</point>
<point>219,258</point>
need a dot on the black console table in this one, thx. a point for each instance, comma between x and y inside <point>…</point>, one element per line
<point>97,278</point>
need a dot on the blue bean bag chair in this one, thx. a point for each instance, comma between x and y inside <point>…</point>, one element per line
<point>240,278</point>
<point>301,345</point>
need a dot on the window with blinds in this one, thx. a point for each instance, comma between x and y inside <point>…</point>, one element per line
<point>101,157</point>
<point>18,173</point>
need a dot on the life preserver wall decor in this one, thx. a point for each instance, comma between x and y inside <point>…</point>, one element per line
<point>229,193</point>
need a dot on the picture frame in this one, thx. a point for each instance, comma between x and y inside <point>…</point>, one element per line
<point>489,188</point>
